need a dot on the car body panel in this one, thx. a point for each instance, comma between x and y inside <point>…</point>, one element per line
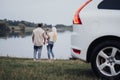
<point>96,23</point>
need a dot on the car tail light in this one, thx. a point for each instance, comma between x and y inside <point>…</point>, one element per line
<point>76,18</point>
<point>76,51</point>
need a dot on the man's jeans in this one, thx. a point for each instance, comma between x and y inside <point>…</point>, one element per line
<point>37,50</point>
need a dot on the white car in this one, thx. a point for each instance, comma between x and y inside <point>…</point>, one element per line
<point>96,36</point>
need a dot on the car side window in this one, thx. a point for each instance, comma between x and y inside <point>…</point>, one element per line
<point>110,4</point>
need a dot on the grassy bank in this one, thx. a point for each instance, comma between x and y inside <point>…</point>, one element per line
<point>27,69</point>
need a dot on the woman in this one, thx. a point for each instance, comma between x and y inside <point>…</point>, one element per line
<point>51,39</point>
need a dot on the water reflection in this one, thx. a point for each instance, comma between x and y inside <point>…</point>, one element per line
<point>15,34</point>
<point>22,34</point>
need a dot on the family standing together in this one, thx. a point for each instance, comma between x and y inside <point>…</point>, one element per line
<point>41,37</point>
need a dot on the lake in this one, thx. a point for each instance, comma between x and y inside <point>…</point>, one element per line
<point>19,45</point>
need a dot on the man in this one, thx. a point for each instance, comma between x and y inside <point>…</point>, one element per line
<point>38,40</point>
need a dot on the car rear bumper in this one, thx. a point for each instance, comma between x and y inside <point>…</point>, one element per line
<point>76,43</point>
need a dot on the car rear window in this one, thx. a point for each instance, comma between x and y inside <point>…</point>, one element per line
<point>109,4</point>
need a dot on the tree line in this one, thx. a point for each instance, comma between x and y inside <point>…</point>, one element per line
<point>5,25</point>
<point>17,22</point>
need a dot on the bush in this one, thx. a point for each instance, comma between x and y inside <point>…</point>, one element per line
<point>3,27</point>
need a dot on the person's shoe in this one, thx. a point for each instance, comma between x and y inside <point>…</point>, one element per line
<point>34,59</point>
<point>54,58</point>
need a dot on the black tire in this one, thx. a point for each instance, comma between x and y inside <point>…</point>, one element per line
<point>105,60</point>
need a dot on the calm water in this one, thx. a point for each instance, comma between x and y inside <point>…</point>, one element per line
<point>21,46</point>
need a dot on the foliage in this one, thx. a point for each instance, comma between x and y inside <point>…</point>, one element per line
<point>21,26</point>
<point>4,28</point>
<point>30,24</point>
<point>16,23</point>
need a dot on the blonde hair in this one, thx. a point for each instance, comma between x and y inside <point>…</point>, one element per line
<point>54,30</point>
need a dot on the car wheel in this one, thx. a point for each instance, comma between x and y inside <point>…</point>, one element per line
<point>106,60</point>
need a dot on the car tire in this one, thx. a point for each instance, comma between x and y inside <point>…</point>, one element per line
<point>105,60</point>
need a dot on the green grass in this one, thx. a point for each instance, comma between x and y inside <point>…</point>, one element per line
<point>27,69</point>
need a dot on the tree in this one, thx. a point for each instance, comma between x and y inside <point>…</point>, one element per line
<point>4,28</point>
<point>21,26</point>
